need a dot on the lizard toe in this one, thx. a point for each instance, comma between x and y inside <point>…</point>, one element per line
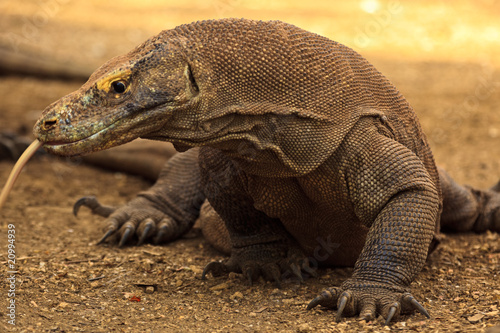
<point>166,230</point>
<point>345,305</point>
<point>94,205</point>
<point>252,274</point>
<point>272,272</point>
<point>368,312</point>
<point>126,233</point>
<point>328,298</point>
<point>217,268</point>
<point>145,230</point>
<point>296,270</point>
<point>306,267</point>
<point>410,303</point>
<point>108,233</point>
<point>393,310</point>
<point>113,223</point>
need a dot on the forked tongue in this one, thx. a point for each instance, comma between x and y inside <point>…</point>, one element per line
<point>21,162</point>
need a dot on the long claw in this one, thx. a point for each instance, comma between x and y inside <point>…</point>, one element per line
<point>215,267</point>
<point>417,306</point>
<point>209,267</point>
<point>92,203</point>
<point>106,235</point>
<point>145,232</point>
<point>296,271</point>
<point>249,274</point>
<point>277,279</point>
<point>343,302</point>
<point>366,316</point>
<point>159,236</point>
<point>306,268</point>
<point>315,302</point>
<point>126,235</point>
<point>271,272</point>
<point>392,312</point>
<point>80,202</point>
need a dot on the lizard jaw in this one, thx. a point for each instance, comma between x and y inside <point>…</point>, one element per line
<point>77,140</point>
<point>94,142</point>
<point>60,136</point>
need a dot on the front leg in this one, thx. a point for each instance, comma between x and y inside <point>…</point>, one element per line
<point>396,195</point>
<point>392,257</point>
<point>260,244</point>
<point>164,212</point>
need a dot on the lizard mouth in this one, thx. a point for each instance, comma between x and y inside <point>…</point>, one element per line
<point>63,138</point>
<point>79,146</point>
<point>60,137</point>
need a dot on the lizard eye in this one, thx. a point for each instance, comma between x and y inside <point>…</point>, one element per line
<point>119,87</point>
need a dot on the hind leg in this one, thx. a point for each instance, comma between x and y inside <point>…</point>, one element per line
<point>213,228</point>
<point>468,209</point>
<point>260,245</point>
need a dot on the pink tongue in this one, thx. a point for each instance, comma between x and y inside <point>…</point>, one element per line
<point>17,170</point>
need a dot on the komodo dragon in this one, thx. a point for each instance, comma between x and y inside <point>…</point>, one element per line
<point>296,152</point>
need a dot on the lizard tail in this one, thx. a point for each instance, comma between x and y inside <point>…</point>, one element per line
<point>468,209</point>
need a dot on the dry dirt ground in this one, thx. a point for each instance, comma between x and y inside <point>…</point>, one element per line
<point>443,58</point>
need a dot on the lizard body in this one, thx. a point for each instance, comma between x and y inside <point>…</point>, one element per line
<point>295,149</point>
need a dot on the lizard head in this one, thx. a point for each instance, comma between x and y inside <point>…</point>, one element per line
<point>128,97</point>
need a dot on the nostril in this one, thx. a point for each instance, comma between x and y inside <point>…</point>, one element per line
<point>49,124</point>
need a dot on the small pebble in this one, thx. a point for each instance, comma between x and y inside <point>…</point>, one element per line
<point>304,328</point>
<point>475,318</point>
<point>221,286</point>
<point>236,295</point>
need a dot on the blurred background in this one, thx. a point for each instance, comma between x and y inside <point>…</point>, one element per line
<point>93,31</point>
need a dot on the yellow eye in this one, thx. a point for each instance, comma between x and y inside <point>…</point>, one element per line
<point>119,86</point>
<point>117,82</point>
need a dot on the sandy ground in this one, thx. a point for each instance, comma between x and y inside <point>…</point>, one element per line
<point>443,58</point>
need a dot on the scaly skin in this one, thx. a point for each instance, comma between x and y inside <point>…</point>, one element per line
<point>308,156</point>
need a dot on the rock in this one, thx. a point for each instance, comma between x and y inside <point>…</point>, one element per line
<point>221,286</point>
<point>236,295</point>
<point>196,269</point>
<point>305,327</point>
<point>475,318</point>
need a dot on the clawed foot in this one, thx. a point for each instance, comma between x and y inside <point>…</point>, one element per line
<point>368,301</point>
<point>273,261</point>
<point>137,219</point>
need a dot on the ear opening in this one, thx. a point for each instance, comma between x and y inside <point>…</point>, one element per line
<point>192,86</point>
